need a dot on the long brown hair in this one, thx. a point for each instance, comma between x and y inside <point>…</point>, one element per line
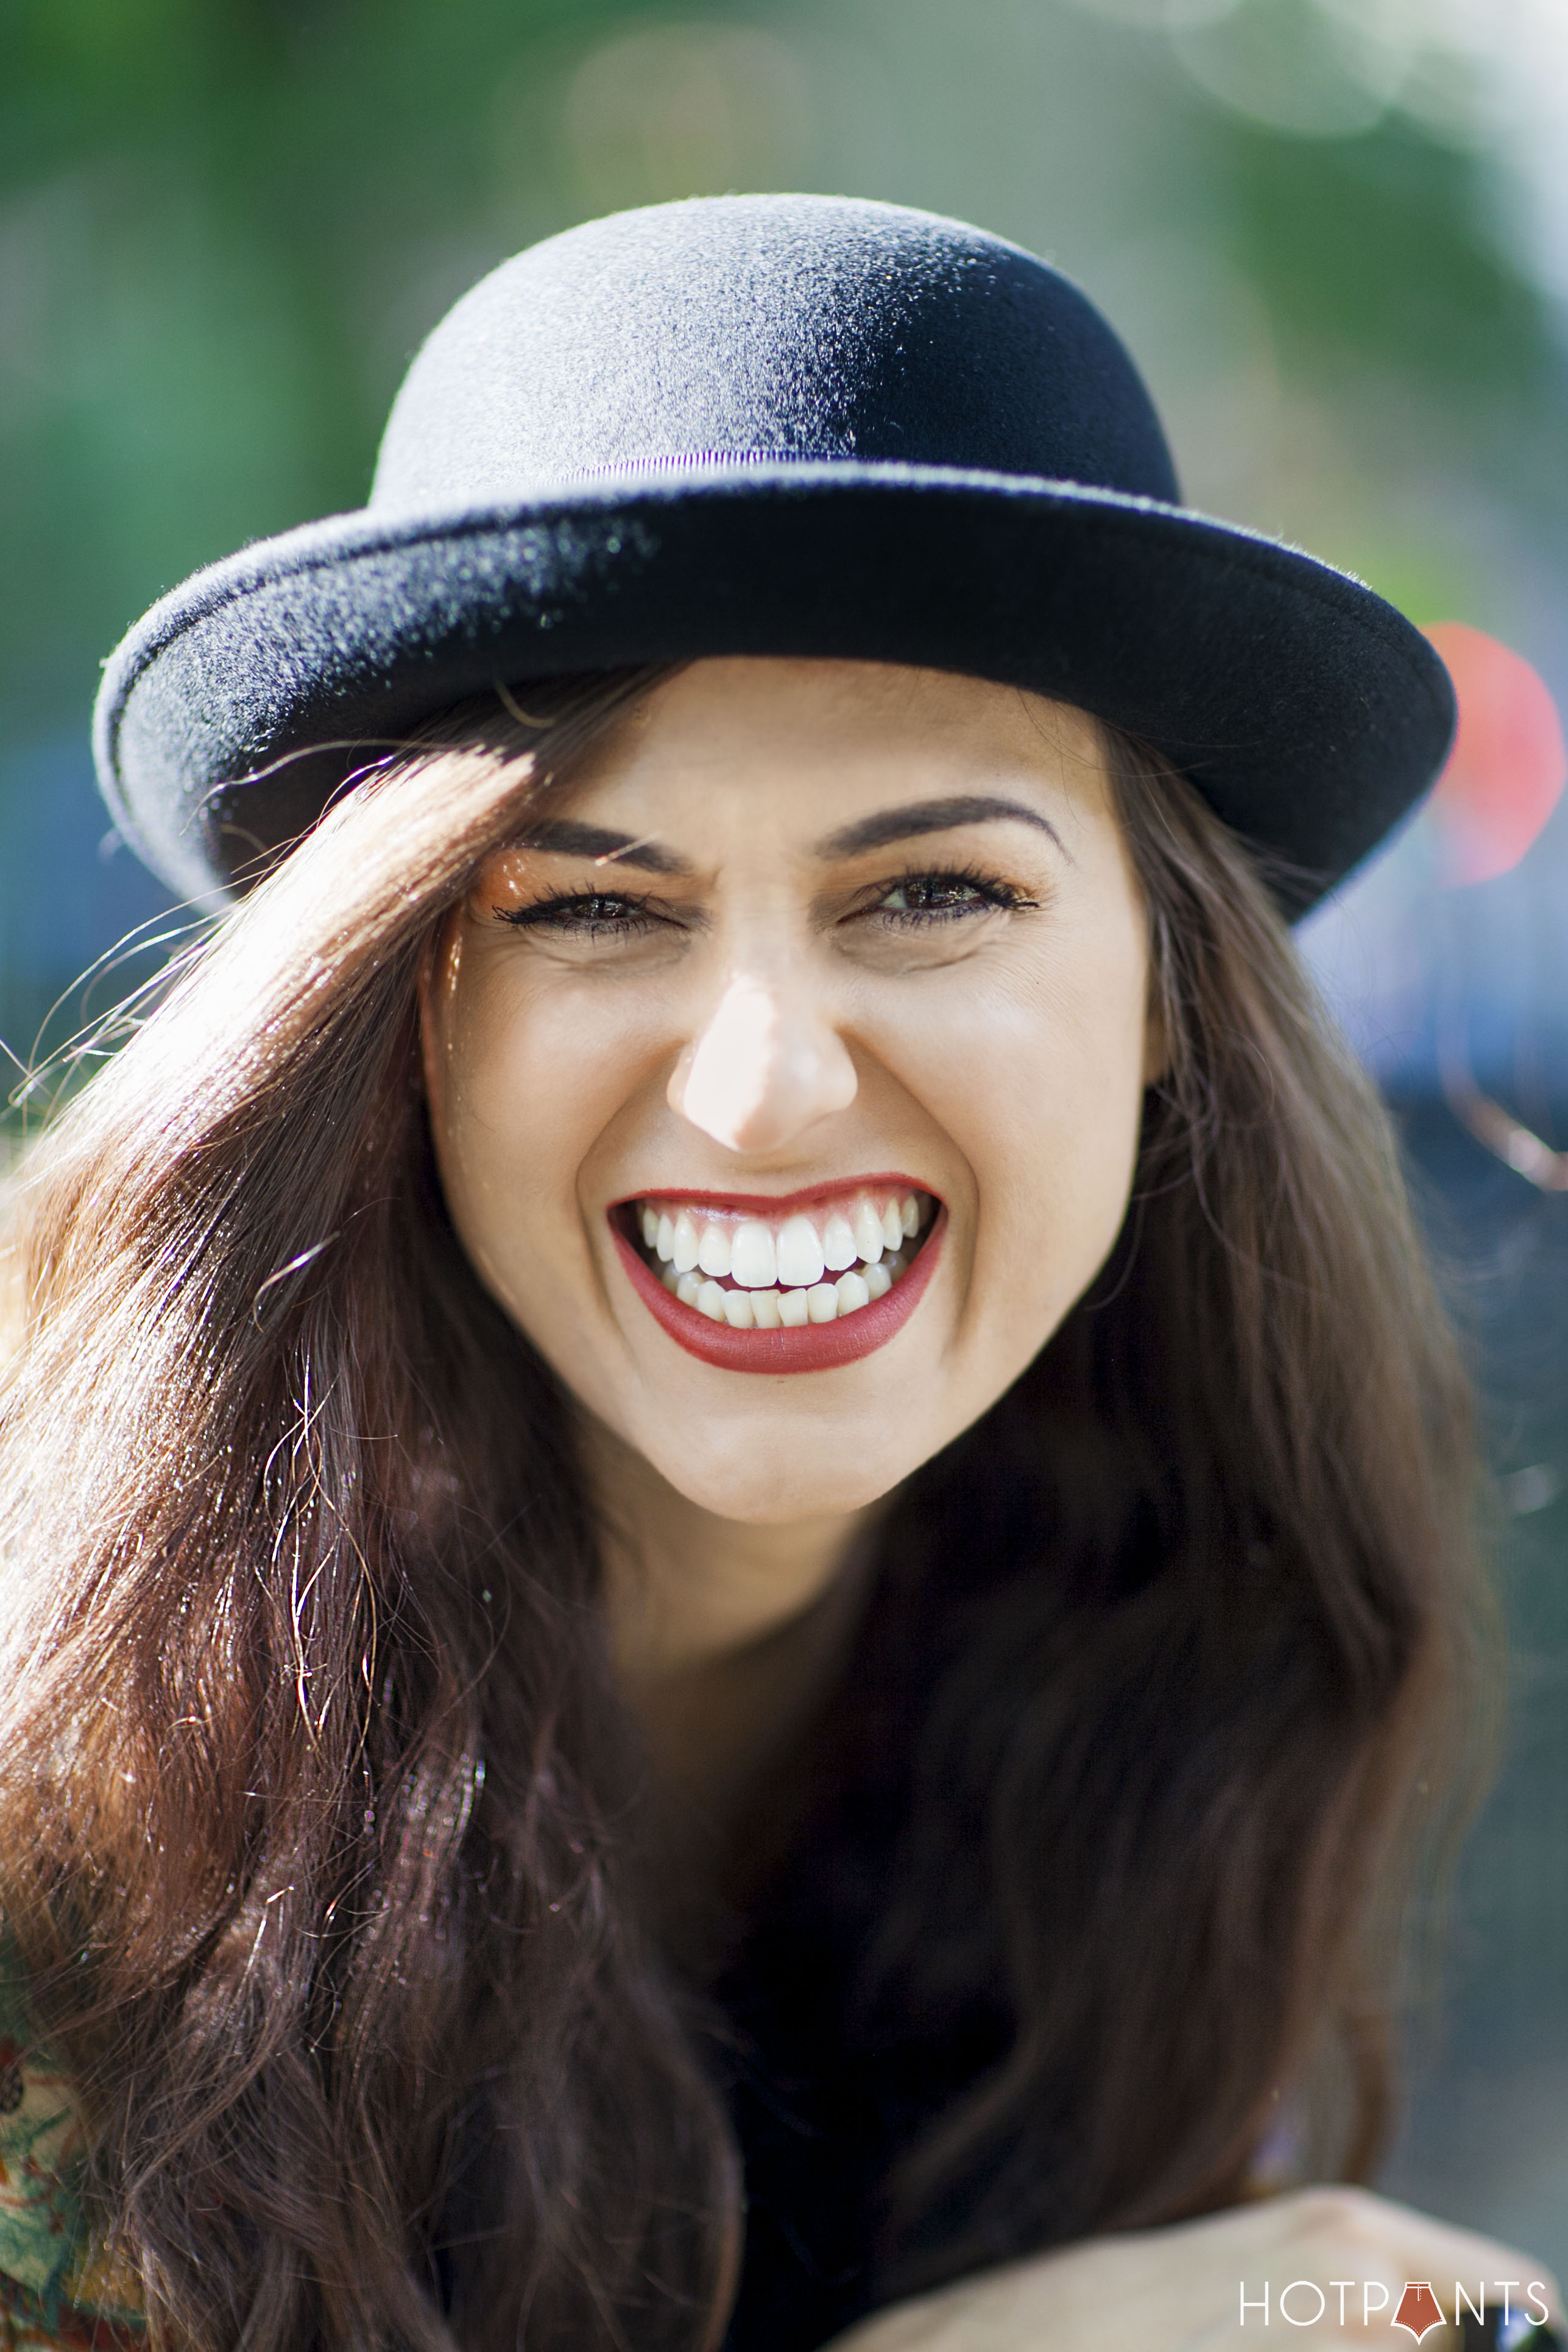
<point>313,1782</point>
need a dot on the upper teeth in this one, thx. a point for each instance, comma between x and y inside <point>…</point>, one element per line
<point>775,1261</point>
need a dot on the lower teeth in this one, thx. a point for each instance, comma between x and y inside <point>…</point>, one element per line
<point>773,1310</point>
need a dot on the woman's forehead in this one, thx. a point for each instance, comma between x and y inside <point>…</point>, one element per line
<point>801,743</point>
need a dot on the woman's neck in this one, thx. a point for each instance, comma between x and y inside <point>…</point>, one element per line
<point>727,1638</point>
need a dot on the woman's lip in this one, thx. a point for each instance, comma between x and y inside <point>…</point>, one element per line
<point>777,1204</point>
<point>813,1347</point>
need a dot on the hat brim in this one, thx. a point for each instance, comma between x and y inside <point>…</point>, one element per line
<point>1309,712</point>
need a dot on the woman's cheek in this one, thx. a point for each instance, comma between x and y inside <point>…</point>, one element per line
<point>487,1093</point>
<point>1049,1117</point>
<point>535,1069</point>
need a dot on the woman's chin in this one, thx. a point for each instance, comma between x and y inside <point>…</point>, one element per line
<point>767,1485</point>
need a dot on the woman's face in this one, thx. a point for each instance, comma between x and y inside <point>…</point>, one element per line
<point>786,1080</point>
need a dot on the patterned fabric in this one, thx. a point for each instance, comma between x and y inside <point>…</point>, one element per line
<point>58,2294</point>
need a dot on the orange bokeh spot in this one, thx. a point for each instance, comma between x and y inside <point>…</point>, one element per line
<point>1507,769</point>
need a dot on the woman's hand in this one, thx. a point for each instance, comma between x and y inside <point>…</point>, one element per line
<point>1341,2257</point>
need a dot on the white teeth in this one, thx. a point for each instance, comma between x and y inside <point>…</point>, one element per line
<point>753,1258</point>
<point>800,1258</point>
<point>784,1277</point>
<point>867,1234</point>
<point>714,1252</point>
<point>838,1250</point>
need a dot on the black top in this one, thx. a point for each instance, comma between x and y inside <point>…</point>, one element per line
<point>825,2102</point>
<point>837,2055</point>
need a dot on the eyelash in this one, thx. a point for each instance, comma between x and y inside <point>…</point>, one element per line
<point>989,889</point>
<point>569,910</point>
<point>548,913</point>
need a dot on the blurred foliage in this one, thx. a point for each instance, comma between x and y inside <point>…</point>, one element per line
<point>201,205</point>
<point>1376,247</point>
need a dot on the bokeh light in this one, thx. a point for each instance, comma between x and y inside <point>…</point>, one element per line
<point>1507,769</point>
<point>682,109</point>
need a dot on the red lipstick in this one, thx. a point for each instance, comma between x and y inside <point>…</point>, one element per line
<point>810,1347</point>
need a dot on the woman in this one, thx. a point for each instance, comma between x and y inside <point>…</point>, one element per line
<point>736,1521</point>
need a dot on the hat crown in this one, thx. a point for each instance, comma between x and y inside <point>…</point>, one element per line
<point>739,329</point>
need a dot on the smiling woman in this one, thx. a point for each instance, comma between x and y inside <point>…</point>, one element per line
<point>736,1525</point>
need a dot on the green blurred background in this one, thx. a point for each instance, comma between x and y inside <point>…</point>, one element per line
<point>1335,234</point>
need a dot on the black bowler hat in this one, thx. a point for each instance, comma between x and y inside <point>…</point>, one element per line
<point>770,424</point>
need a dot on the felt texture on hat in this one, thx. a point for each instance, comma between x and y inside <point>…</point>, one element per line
<point>770,426</point>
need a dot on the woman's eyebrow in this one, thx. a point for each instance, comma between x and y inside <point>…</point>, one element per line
<point>932,817</point>
<point>606,848</point>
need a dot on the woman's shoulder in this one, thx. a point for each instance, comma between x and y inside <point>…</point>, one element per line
<point>56,2290</point>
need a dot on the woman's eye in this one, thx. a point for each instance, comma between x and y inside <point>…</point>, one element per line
<point>589,915</point>
<point>940,898</point>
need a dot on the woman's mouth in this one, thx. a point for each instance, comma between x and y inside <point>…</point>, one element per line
<point>781,1286</point>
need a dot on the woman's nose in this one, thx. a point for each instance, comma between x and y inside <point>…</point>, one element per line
<point>766,1065</point>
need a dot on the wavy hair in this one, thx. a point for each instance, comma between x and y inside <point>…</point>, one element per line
<point>314,1785</point>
